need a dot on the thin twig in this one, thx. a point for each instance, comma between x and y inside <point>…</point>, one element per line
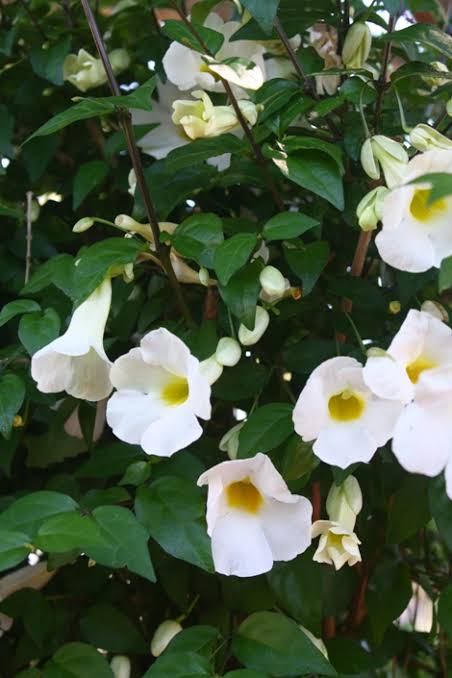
<point>33,19</point>
<point>359,259</point>
<point>235,104</point>
<point>29,236</point>
<point>382,85</point>
<point>126,121</point>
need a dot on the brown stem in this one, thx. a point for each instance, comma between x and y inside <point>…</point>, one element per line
<point>29,237</point>
<point>382,85</point>
<point>126,121</point>
<point>329,627</point>
<point>359,610</point>
<point>316,501</point>
<point>358,263</point>
<point>235,104</point>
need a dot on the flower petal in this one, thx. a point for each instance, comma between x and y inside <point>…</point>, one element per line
<point>407,247</point>
<point>132,373</point>
<point>287,527</point>
<point>387,378</point>
<point>163,348</point>
<point>239,546</point>
<point>177,429</point>
<point>380,418</point>
<point>129,414</point>
<point>345,444</point>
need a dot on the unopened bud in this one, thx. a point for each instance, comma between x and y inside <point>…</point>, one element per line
<point>211,369</point>
<point>394,307</point>
<point>228,352</point>
<point>449,108</point>
<point>83,225</point>
<point>127,274</point>
<point>129,225</point>
<point>344,502</point>
<point>382,151</point>
<point>272,282</point>
<point>435,309</point>
<point>164,635</point>
<point>34,211</point>
<point>119,59</point>
<point>426,138</point>
<point>249,337</point>
<point>204,276</point>
<point>370,208</point>
<point>230,441</point>
<point>120,666</point>
<point>357,45</point>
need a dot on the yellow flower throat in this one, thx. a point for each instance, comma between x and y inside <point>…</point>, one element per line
<point>176,391</point>
<point>244,496</point>
<point>421,210</point>
<point>346,406</point>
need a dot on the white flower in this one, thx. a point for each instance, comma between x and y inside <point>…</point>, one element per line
<point>186,68</point>
<point>72,424</point>
<point>337,545</point>
<point>417,235</point>
<point>163,635</point>
<point>252,517</point>
<point>418,615</point>
<point>387,153</point>
<point>201,119</point>
<point>211,369</point>
<point>272,282</point>
<point>76,362</point>
<point>346,420</point>
<point>85,71</point>
<point>323,39</point>
<point>160,393</point>
<point>344,502</point>
<point>417,356</point>
<point>357,45</point>
<point>249,337</point>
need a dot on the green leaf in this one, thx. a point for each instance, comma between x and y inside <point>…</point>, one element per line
<point>13,548</point>
<point>317,172</point>
<point>77,660</point>
<point>245,673</point>
<point>179,31</point>
<point>441,509</point>
<point>202,149</point>
<point>103,625</point>
<point>29,512</point>
<point>12,394</point>
<point>308,263</point>
<point>388,595</point>
<point>232,254</point>
<point>179,665</point>
<point>445,275</point>
<point>92,107</point>
<point>88,177</point>
<point>269,641</point>
<point>292,144</point>
<point>17,307</point>
<point>263,12</point>
<point>109,460</point>
<point>67,531</point>
<point>125,541</point>
<point>58,270</point>
<point>287,225</point>
<point>445,609</point>
<point>266,428</point>
<point>48,63</point>
<point>37,155</point>
<point>136,474</point>
<point>6,131</point>
<point>198,236</point>
<point>201,10</point>
<point>39,329</point>
<point>242,292</point>
<point>427,35</point>
<point>194,639</point>
<point>410,510</point>
<point>95,261</point>
<point>173,510</point>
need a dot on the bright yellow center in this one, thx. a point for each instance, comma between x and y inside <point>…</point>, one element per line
<point>335,540</point>
<point>346,406</point>
<point>423,211</point>
<point>415,369</point>
<point>243,495</point>
<point>176,391</point>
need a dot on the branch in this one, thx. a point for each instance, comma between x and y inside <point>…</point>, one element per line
<point>359,259</point>
<point>126,121</point>
<point>243,123</point>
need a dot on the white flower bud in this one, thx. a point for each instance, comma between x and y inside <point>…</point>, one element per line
<point>368,162</point>
<point>382,151</point>
<point>120,666</point>
<point>230,441</point>
<point>163,636</point>
<point>119,59</point>
<point>211,369</point>
<point>357,45</point>
<point>370,208</point>
<point>435,309</point>
<point>449,108</point>
<point>228,352</point>
<point>34,211</point>
<point>344,502</point>
<point>204,277</point>
<point>426,138</point>
<point>272,281</point>
<point>83,225</point>
<point>129,225</point>
<point>249,337</point>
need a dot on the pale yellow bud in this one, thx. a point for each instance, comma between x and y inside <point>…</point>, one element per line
<point>449,108</point>
<point>129,225</point>
<point>164,635</point>
<point>230,441</point>
<point>119,59</point>
<point>370,208</point>
<point>34,211</point>
<point>426,138</point>
<point>83,224</point>
<point>204,277</point>
<point>357,45</point>
<point>382,151</point>
<point>249,337</point>
<point>394,307</point>
<point>120,666</point>
<point>272,282</point>
<point>435,309</point>
<point>228,352</point>
<point>344,502</point>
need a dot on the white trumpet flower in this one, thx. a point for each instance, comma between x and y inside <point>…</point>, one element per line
<point>347,421</point>
<point>160,393</point>
<point>337,545</point>
<point>252,517</point>
<point>418,355</point>
<point>76,362</point>
<point>417,234</point>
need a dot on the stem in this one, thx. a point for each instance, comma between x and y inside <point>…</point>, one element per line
<point>29,237</point>
<point>405,127</point>
<point>382,84</point>
<point>356,270</point>
<point>316,501</point>
<point>235,105</point>
<point>126,121</point>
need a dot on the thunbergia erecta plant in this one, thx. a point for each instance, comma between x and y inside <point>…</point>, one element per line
<point>226,345</point>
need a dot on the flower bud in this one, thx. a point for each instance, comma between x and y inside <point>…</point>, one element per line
<point>272,282</point>
<point>344,502</point>
<point>164,635</point>
<point>356,45</point>
<point>204,277</point>
<point>129,225</point>
<point>370,208</point>
<point>120,666</point>
<point>394,307</point>
<point>249,337</point>
<point>119,59</point>
<point>18,422</point>
<point>382,151</point>
<point>34,211</point>
<point>230,441</point>
<point>426,138</point>
<point>449,108</point>
<point>228,352</point>
<point>211,369</point>
<point>433,80</point>
<point>435,309</point>
<point>83,224</point>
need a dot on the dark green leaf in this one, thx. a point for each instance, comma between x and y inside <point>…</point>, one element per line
<point>194,639</point>
<point>202,149</point>
<point>13,548</point>
<point>232,254</point>
<point>58,270</point>
<point>12,394</point>
<point>427,35</point>
<point>266,428</point>
<point>103,625</point>
<point>445,609</point>
<point>39,329</point>
<point>263,12</point>
<point>287,225</point>
<point>308,263</point>
<point>388,595</point>
<point>241,293</point>
<point>77,660</point>
<point>441,509</point>
<point>88,177</point>
<point>180,665</point>
<point>445,274</point>
<point>67,531</point>
<point>29,512</point>
<point>37,155</point>
<point>6,131</point>
<point>17,307</point>
<point>410,510</point>
<point>177,30</point>
<point>48,62</point>
<point>317,172</point>
<point>198,236</point>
